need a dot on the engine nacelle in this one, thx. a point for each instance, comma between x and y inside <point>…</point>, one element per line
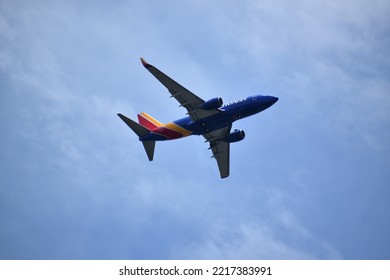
<point>213,104</point>
<point>235,136</point>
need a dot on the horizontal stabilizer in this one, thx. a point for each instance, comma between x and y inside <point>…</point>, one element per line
<point>149,148</point>
<point>136,127</point>
<point>141,131</point>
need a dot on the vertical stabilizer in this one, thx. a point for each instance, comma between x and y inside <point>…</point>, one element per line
<point>148,121</point>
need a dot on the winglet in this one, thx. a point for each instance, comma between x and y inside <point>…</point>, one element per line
<point>144,63</point>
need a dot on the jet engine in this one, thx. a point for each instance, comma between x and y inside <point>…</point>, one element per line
<point>235,136</point>
<point>213,104</point>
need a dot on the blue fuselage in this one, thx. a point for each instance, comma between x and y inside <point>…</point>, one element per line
<point>230,112</point>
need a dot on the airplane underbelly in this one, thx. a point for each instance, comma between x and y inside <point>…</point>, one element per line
<point>211,124</point>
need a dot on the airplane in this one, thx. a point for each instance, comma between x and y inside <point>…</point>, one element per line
<point>212,119</point>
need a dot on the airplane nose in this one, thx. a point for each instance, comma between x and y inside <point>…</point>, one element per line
<point>273,99</point>
<point>268,101</point>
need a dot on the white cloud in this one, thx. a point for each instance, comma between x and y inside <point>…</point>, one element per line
<point>272,230</point>
<point>250,241</point>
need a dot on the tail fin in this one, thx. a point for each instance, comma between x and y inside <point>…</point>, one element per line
<point>141,131</point>
<point>148,121</point>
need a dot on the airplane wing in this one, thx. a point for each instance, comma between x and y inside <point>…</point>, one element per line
<point>186,98</point>
<point>220,148</point>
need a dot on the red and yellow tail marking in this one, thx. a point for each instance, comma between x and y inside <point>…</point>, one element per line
<point>170,130</point>
<point>148,121</point>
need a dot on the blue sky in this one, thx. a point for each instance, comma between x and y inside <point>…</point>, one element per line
<point>310,181</point>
